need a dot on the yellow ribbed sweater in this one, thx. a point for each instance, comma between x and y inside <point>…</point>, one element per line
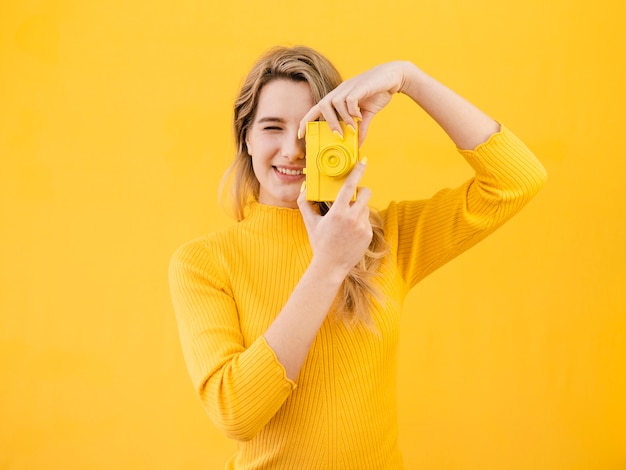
<point>228,287</point>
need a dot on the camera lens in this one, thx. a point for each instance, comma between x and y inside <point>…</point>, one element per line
<point>335,161</point>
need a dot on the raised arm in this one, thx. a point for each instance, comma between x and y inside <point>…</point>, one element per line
<point>361,97</point>
<point>507,174</point>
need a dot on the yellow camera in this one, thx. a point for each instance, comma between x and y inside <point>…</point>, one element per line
<point>329,160</point>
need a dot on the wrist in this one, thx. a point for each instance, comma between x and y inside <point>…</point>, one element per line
<point>328,274</point>
<point>409,73</point>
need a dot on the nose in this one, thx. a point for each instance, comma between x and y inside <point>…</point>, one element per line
<point>294,148</point>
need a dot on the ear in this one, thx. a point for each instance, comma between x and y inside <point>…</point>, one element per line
<point>247,143</point>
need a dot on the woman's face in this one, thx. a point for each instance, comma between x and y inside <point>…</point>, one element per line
<point>278,156</point>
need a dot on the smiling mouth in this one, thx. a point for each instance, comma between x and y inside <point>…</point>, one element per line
<point>290,172</point>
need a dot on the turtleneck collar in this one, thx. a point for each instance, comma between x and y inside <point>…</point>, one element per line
<point>275,219</point>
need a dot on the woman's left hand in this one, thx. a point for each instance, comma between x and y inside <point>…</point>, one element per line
<point>359,98</point>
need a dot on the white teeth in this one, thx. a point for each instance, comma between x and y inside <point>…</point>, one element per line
<point>287,171</point>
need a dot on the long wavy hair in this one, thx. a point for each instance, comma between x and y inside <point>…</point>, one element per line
<point>240,185</point>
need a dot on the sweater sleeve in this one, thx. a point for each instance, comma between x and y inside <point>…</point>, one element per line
<point>240,387</point>
<point>430,233</point>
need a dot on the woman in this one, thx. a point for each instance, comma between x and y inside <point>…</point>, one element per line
<point>289,318</point>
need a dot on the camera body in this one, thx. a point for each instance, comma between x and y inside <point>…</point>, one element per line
<point>329,159</point>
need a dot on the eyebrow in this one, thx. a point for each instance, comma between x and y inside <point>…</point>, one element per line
<point>271,119</point>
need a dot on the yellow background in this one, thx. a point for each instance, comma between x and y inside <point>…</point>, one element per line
<point>114,133</point>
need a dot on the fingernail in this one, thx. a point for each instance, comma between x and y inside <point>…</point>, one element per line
<point>299,134</point>
<point>357,118</point>
<point>352,127</point>
<point>338,134</point>
<point>303,187</point>
<point>363,161</point>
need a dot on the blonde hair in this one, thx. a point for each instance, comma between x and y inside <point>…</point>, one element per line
<point>301,64</point>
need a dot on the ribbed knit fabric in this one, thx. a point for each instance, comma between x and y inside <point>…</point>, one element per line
<point>228,287</point>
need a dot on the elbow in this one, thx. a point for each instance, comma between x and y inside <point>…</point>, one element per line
<point>238,429</point>
<point>535,181</point>
<point>235,421</point>
<point>526,186</point>
<point>241,401</point>
<point>233,427</point>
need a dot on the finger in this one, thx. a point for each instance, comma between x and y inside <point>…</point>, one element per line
<point>361,209</point>
<point>311,115</point>
<point>328,111</point>
<point>352,103</point>
<point>350,185</point>
<point>341,107</point>
<point>363,197</point>
<point>364,126</point>
<point>306,209</point>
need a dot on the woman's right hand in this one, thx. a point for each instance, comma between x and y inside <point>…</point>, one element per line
<point>340,238</point>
